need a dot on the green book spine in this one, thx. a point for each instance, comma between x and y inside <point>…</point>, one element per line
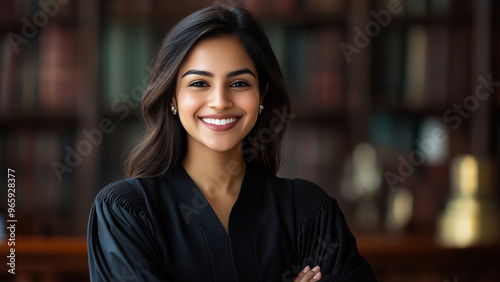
<point>126,55</point>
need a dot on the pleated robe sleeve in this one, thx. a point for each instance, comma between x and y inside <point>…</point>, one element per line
<point>120,238</point>
<point>324,239</point>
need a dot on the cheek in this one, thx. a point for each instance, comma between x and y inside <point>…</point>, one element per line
<point>188,103</point>
<point>250,103</point>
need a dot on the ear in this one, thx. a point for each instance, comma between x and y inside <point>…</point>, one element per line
<point>173,102</point>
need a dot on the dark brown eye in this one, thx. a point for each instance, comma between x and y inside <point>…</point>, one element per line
<point>198,84</point>
<point>240,84</point>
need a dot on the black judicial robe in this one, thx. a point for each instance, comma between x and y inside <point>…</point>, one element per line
<point>163,229</point>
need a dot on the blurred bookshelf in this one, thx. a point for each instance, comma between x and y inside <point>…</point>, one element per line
<point>72,76</point>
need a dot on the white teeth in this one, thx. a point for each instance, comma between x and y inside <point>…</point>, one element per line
<point>219,121</point>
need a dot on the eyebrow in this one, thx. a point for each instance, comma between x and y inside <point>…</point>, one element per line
<point>240,72</point>
<point>209,74</point>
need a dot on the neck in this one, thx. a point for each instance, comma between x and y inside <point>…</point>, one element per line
<point>215,173</point>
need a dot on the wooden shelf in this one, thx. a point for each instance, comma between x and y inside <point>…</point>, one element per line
<point>425,111</point>
<point>422,259</point>
<point>389,257</point>
<point>49,259</point>
<point>39,120</point>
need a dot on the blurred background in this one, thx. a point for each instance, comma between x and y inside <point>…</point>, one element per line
<point>397,115</point>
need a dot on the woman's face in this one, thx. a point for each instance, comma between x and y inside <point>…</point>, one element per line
<point>217,95</point>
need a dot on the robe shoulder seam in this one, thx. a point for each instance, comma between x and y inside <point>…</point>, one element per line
<point>123,194</point>
<point>310,202</point>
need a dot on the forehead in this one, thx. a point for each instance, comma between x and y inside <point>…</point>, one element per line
<point>218,54</point>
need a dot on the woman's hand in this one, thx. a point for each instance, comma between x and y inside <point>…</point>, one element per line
<point>308,275</point>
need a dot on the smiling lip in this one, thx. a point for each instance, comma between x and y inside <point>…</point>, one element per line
<point>220,122</point>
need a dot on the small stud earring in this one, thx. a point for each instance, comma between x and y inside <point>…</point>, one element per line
<point>174,110</point>
<point>261,107</point>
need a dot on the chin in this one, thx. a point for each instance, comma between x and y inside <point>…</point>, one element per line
<point>221,149</point>
<point>221,146</point>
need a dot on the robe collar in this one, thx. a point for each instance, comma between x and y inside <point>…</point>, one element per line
<point>235,245</point>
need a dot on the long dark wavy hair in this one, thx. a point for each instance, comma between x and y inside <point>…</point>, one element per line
<point>164,144</point>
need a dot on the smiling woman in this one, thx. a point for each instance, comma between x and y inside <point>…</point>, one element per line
<point>218,84</point>
<point>203,202</point>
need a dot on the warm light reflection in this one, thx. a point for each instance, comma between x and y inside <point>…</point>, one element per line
<point>471,213</point>
<point>366,166</point>
<point>467,176</point>
<point>400,209</point>
<point>461,224</point>
<point>361,183</point>
<point>403,206</point>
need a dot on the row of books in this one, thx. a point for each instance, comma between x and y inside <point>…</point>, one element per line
<point>418,66</point>
<point>13,10</point>
<point>310,59</point>
<point>314,153</point>
<point>43,75</point>
<point>43,203</point>
<point>412,65</point>
<point>317,153</point>
<point>410,137</point>
<point>126,52</point>
<point>35,12</point>
<point>312,64</point>
<point>418,9</point>
<point>260,7</point>
<point>46,165</point>
<point>265,7</point>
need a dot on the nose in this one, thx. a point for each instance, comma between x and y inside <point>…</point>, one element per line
<point>220,99</point>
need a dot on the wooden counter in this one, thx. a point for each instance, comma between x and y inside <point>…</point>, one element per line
<point>393,259</point>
